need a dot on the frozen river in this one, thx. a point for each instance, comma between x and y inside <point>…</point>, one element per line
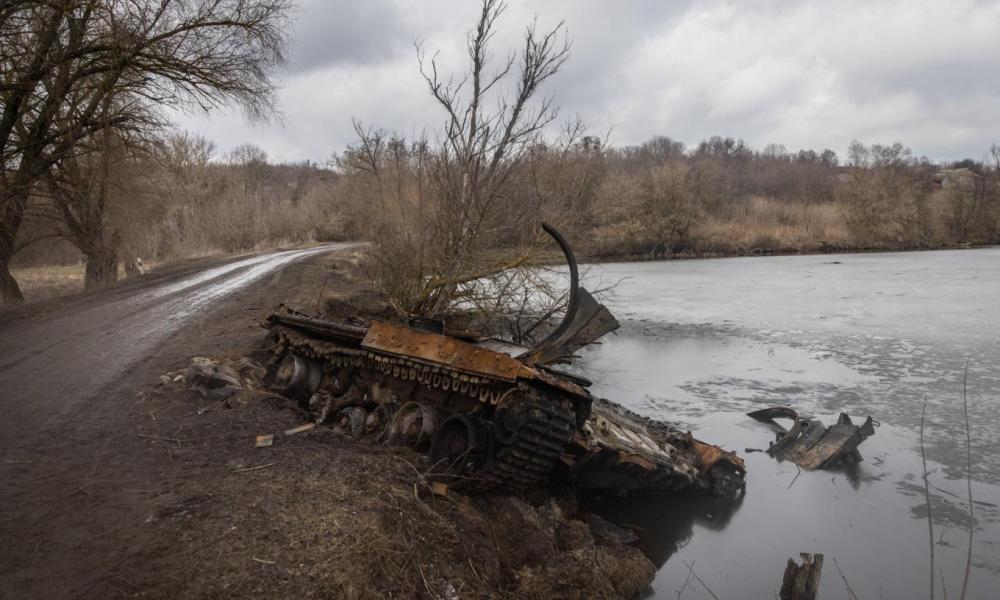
<point>705,341</point>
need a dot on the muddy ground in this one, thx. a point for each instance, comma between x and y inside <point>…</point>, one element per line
<point>152,491</point>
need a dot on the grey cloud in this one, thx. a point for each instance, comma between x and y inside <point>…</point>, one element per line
<point>604,37</point>
<point>804,74</point>
<point>328,32</point>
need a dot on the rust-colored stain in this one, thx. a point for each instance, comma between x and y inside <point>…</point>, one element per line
<point>709,455</point>
<point>443,350</point>
<point>460,355</point>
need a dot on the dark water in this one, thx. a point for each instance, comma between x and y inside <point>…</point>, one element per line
<point>704,342</point>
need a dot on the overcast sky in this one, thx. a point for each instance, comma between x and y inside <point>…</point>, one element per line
<point>806,74</point>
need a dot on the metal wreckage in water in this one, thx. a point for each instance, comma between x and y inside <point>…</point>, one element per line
<point>493,416</point>
<point>809,443</point>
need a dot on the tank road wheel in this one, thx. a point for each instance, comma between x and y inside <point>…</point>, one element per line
<point>414,424</point>
<point>509,415</point>
<point>461,446</point>
<point>297,378</point>
<point>352,419</point>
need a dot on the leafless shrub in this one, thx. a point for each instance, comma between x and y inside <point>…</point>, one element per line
<point>245,203</point>
<point>450,211</point>
<point>652,213</point>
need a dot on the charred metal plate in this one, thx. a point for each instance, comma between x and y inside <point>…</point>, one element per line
<point>444,350</point>
<point>839,442</point>
<point>323,328</point>
<point>591,321</point>
<point>809,443</point>
<point>709,455</point>
<point>553,380</point>
<point>621,451</point>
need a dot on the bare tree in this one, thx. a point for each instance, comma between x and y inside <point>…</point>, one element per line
<point>462,221</point>
<point>182,152</point>
<point>72,68</point>
<point>80,188</point>
<point>885,201</point>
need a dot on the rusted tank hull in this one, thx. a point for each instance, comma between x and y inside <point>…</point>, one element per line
<point>521,425</point>
<point>494,416</point>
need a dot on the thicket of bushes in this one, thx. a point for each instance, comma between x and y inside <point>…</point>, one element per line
<point>659,199</point>
<point>723,198</point>
<point>182,199</point>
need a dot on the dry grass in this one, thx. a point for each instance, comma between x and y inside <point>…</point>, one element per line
<point>761,223</point>
<point>754,224</point>
<point>334,517</point>
<point>42,283</point>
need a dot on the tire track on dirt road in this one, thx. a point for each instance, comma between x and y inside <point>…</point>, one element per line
<point>50,364</point>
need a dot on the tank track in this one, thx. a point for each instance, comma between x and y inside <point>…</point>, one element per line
<point>527,461</point>
<point>547,425</point>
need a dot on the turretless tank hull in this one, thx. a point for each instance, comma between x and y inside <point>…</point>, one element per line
<point>492,416</point>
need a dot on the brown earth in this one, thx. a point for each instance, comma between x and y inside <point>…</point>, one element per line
<point>118,486</point>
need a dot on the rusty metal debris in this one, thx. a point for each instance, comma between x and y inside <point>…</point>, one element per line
<point>809,443</point>
<point>586,319</point>
<point>494,417</point>
<point>351,420</point>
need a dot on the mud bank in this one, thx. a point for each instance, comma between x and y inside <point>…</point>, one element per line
<point>319,514</point>
<point>817,250</point>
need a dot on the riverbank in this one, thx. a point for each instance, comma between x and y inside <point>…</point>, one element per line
<point>599,257</point>
<point>152,490</point>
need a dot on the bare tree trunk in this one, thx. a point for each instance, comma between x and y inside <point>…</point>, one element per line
<point>10,292</point>
<point>12,205</point>
<point>79,57</point>
<point>801,582</point>
<point>102,268</point>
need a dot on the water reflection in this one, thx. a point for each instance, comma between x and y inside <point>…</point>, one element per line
<point>665,524</point>
<point>852,472</point>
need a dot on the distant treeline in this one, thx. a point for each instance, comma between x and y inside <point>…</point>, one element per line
<point>657,199</point>
<point>178,198</point>
<point>721,197</point>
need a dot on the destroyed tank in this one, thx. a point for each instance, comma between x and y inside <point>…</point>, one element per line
<point>493,416</point>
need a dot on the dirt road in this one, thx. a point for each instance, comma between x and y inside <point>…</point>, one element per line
<point>50,363</point>
<point>75,479</point>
